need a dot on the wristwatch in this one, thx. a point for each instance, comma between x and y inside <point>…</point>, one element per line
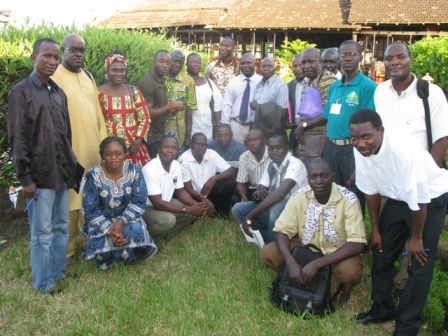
<point>304,124</point>
<point>248,221</point>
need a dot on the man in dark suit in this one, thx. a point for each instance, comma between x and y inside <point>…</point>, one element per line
<point>295,88</point>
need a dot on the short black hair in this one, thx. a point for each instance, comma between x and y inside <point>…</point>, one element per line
<point>193,54</point>
<point>161,51</point>
<point>279,136</point>
<point>196,135</point>
<point>166,137</point>
<point>224,125</point>
<point>366,115</point>
<point>108,141</point>
<point>229,38</point>
<point>352,42</point>
<point>315,161</point>
<point>403,44</point>
<point>38,43</point>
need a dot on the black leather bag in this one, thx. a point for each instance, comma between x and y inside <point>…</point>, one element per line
<point>314,298</point>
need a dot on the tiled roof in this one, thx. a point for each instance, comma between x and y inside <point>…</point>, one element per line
<point>232,14</point>
<point>277,14</point>
<point>399,11</point>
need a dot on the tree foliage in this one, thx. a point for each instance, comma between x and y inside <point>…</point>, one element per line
<point>288,50</point>
<point>431,55</point>
<point>16,46</point>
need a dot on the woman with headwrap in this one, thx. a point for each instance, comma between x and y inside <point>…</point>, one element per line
<point>124,109</point>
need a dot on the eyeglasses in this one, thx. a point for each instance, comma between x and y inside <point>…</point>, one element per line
<point>347,55</point>
<point>74,50</point>
<point>267,66</point>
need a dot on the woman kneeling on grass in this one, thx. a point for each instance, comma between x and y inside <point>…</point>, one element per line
<point>114,201</point>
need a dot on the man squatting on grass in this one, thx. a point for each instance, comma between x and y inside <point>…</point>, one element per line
<point>395,165</point>
<point>328,216</point>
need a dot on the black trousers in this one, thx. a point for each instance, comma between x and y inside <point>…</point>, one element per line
<point>221,195</point>
<point>395,228</point>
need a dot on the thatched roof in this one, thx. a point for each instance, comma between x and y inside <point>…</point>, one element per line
<point>233,14</point>
<point>278,14</point>
<point>399,11</point>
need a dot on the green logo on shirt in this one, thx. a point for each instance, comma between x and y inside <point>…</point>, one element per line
<point>352,98</point>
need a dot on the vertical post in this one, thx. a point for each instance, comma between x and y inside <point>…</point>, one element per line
<point>253,44</point>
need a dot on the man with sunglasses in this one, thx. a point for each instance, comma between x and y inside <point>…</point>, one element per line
<point>87,122</point>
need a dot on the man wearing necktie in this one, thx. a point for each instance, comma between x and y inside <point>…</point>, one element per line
<point>239,92</point>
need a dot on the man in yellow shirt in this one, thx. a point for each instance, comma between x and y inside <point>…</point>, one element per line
<point>325,215</point>
<point>87,121</point>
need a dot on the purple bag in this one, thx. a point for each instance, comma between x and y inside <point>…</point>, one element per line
<point>311,105</point>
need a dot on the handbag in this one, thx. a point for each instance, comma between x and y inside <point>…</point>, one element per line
<point>314,298</point>
<point>311,105</point>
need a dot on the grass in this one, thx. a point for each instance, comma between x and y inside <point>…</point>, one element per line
<point>206,280</point>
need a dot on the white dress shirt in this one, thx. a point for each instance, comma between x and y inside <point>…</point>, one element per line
<point>234,94</point>
<point>402,170</point>
<point>406,112</point>
<point>159,181</point>
<point>199,173</point>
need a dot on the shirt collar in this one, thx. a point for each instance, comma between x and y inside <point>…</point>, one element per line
<point>219,63</point>
<point>156,76</point>
<point>38,82</point>
<point>335,195</point>
<point>286,159</point>
<point>160,166</point>
<point>355,81</point>
<point>410,88</point>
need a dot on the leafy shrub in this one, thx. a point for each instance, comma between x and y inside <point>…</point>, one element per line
<point>288,50</point>
<point>16,46</point>
<point>431,55</point>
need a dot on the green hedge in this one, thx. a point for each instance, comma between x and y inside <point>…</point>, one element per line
<point>15,63</point>
<point>431,55</point>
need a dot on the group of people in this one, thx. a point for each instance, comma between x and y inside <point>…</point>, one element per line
<point>179,147</point>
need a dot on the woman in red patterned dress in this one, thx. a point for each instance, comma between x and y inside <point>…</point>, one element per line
<point>124,109</point>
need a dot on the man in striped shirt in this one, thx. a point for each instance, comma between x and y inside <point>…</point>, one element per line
<point>252,165</point>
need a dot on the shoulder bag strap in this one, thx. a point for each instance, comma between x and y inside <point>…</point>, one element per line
<point>423,93</point>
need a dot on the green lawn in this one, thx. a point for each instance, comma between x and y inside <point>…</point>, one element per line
<point>206,280</point>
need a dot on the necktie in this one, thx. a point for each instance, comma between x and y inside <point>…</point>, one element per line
<point>244,109</point>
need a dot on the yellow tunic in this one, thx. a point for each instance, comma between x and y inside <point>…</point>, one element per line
<point>86,118</point>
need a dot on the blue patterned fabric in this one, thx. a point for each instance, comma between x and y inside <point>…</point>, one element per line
<point>105,202</point>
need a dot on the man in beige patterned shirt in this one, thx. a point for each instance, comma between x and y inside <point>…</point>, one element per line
<point>226,67</point>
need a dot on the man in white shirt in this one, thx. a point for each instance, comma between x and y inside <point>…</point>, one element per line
<point>163,176</point>
<point>233,111</point>
<point>395,165</point>
<point>330,61</point>
<point>282,178</point>
<point>400,108</point>
<point>207,176</point>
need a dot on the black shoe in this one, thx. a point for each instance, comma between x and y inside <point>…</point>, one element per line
<point>367,318</point>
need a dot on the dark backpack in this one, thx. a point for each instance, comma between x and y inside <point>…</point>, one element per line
<point>423,93</point>
<point>315,298</point>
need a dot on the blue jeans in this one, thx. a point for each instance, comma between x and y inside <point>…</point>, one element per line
<point>264,221</point>
<point>49,218</point>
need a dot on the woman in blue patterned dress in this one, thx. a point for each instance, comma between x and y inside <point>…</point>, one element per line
<point>114,201</point>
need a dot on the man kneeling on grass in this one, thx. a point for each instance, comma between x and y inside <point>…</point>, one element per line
<point>328,216</point>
